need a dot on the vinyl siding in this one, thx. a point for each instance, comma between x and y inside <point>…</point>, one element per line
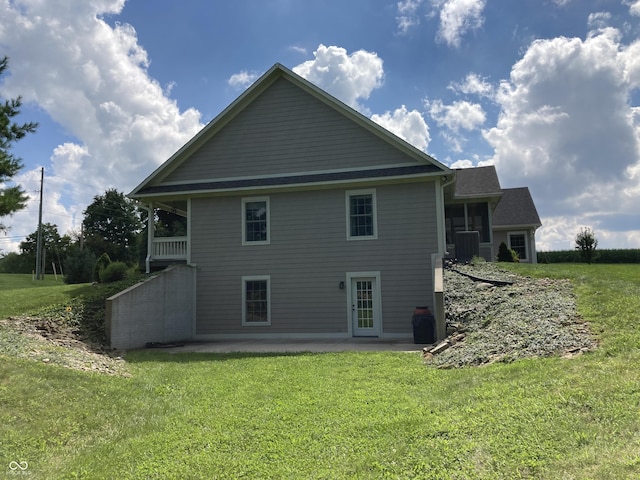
<point>500,236</point>
<point>309,256</point>
<point>286,130</point>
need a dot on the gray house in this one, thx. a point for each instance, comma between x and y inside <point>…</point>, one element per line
<point>304,219</point>
<point>475,202</point>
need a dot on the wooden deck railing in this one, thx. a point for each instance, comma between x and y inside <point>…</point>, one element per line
<point>169,248</point>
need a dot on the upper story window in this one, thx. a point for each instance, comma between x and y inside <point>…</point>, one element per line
<point>255,221</point>
<point>361,215</point>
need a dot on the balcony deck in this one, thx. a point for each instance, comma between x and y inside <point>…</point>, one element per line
<point>169,248</point>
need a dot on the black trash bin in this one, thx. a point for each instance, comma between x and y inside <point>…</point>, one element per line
<point>424,326</point>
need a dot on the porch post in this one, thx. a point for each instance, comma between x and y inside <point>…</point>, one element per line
<point>189,231</point>
<point>150,233</point>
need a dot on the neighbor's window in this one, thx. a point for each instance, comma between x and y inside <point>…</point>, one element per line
<point>467,217</point>
<point>478,220</point>
<point>361,215</point>
<point>518,244</point>
<point>455,222</point>
<point>256,300</point>
<point>255,221</point>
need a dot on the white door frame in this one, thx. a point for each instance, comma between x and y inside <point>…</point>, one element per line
<point>376,331</point>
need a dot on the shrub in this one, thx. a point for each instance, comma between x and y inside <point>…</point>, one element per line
<point>114,272</point>
<point>103,262</point>
<point>505,254</point>
<point>476,260</point>
<point>78,266</point>
<point>586,243</point>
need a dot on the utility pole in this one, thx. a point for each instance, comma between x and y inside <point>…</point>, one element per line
<point>39,244</point>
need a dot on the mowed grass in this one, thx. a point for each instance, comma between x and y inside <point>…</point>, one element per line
<point>342,415</point>
<point>20,294</point>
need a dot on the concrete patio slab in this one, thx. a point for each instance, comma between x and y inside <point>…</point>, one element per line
<point>298,345</point>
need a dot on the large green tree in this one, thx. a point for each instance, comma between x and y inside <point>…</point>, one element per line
<point>111,225</point>
<point>54,246</point>
<point>12,198</point>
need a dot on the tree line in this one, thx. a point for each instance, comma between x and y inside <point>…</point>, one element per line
<point>113,228</point>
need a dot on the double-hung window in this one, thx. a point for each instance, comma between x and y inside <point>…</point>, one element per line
<point>256,300</point>
<point>517,242</point>
<point>361,215</point>
<point>255,221</point>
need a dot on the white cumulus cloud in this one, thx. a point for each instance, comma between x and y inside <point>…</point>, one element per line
<point>457,17</point>
<point>407,15</point>
<point>459,115</point>
<point>474,84</point>
<point>634,6</point>
<point>91,78</point>
<point>568,130</point>
<point>408,125</point>
<point>242,79</point>
<point>350,78</point>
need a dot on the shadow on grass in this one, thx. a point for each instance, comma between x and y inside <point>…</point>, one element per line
<point>156,355</point>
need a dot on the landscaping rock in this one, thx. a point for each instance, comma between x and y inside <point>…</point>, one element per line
<point>52,341</point>
<point>522,318</point>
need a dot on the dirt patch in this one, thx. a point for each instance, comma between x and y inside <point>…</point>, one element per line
<point>54,342</point>
<point>515,317</point>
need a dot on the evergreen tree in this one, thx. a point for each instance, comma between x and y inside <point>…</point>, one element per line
<point>12,198</point>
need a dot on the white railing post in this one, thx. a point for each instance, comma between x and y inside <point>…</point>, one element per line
<point>170,248</point>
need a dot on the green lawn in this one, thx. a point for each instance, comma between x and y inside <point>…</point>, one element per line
<point>21,294</point>
<point>342,415</point>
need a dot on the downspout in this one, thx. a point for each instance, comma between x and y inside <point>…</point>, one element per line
<point>150,233</point>
<point>442,241</point>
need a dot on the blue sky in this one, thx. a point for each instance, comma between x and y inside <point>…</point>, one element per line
<point>548,91</point>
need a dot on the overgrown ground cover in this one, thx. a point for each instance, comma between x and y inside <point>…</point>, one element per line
<point>342,415</point>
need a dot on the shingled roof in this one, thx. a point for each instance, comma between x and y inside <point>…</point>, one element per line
<point>516,209</point>
<point>478,181</point>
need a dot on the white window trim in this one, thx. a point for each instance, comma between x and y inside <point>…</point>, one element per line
<point>246,279</point>
<point>347,201</point>
<point>246,200</point>
<point>526,243</point>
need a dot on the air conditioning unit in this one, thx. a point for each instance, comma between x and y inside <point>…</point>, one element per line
<point>467,245</point>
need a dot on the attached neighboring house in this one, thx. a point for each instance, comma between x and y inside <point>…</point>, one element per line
<point>304,219</point>
<point>475,201</point>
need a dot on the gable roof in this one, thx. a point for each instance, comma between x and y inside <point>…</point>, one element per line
<point>477,182</point>
<point>152,185</point>
<point>516,209</point>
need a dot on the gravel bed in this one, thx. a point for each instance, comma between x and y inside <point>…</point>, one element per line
<point>530,318</point>
<point>53,342</point>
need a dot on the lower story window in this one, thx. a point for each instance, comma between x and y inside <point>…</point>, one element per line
<point>256,300</point>
<point>518,244</point>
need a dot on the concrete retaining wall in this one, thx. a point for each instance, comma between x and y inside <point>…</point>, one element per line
<point>160,309</point>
